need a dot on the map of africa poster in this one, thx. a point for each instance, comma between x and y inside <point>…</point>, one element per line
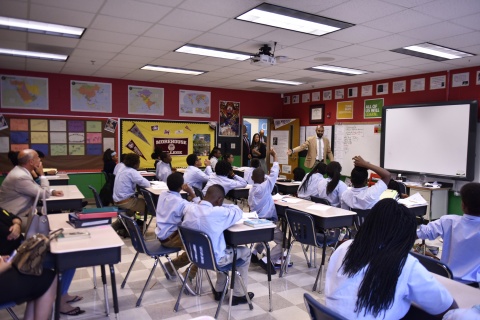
<point>145,100</point>
<point>91,96</point>
<point>24,92</point>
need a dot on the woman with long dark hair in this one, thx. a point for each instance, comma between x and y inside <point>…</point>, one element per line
<point>373,276</point>
<point>332,187</point>
<point>259,151</point>
<point>309,185</point>
<point>214,157</point>
<point>109,160</point>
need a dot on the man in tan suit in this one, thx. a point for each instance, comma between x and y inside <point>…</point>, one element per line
<point>318,148</point>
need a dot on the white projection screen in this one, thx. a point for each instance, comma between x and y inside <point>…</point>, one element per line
<point>432,139</point>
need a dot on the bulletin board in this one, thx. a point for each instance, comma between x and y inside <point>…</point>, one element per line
<point>352,139</point>
<point>69,143</point>
<point>179,138</point>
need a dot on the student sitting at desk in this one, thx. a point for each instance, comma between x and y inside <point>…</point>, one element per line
<point>309,185</point>
<point>225,177</point>
<point>193,176</point>
<point>164,166</point>
<point>332,188</point>
<point>213,217</point>
<point>461,236</point>
<point>229,157</point>
<point>124,190</point>
<point>214,157</point>
<point>374,277</point>
<point>169,215</point>
<point>247,174</point>
<point>361,196</point>
<point>261,201</point>
<point>120,165</point>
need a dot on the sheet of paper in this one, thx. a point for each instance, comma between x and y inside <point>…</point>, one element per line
<point>291,200</point>
<point>320,207</point>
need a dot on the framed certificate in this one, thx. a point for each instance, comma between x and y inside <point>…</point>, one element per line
<point>317,113</point>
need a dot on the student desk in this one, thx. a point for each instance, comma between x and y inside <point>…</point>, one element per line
<point>239,193</point>
<point>239,171</point>
<point>58,179</point>
<point>288,187</point>
<point>181,170</point>
<point>157,191</point>
<point>148,175</point>
<point>437,200</point>
<point>71,200</point>
<point>239,234</point>
<point>103,247</point>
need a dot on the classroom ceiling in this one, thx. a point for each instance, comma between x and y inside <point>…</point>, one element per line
<point>124,35</point>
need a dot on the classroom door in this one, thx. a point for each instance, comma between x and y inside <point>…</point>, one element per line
<point>284,135</point>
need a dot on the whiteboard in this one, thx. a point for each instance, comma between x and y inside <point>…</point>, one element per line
<point>356,140</point>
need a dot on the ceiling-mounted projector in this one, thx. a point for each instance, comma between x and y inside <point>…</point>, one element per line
<point>263,60</point>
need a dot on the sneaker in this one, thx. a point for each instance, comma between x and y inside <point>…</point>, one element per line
<point>254,258</point>
<point>218,294</point>
<point>278,264</point>
<point>242,299</point>
<point>170,274</point>
<point>263,264</point>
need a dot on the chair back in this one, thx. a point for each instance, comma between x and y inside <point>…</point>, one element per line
<point>198,247</point>
<point>98,201</point>
<point>320,200</point>
<point>434,266</point>
<point>151,207</point>
<point>274,190</point>
<point>318,311</point>
<point>138,241</point>
<point>402,188</point>
<point>360,217</point>
<point>373,179</point>
<point>198,192</point>
<point>302,227</point>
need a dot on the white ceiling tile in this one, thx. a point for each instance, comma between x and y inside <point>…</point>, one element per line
<point>93,54</point>
<point>132,58</point>
<point>9,35</point>
<point>9,62</point>
<point>61,16</point>
<point>134,10</point>
<point>217,40</point>
<point>77,70</point>
<point>52,41</point>
<point>436,31</point>
<point>44,65</point>
<point>144,52</point>
<point>402,21</point>
<point>110,74</point>
<point>284,37</point>
<point>224,8</point>
<point>85,5</point>
<point>361,11</point>
<point>108,37</point>
<point>394,41</point>
<point>408,61</point>
<point>356,34</point>
<point>294,53</point>
<point>408,3</point>
<point>100,46</point>
<point>470,21</point>
<point>467,39</point>
<point>113,24</point>
<point>14,9</point>
<point>448,9</point>
<point>383,56</point>
<point>172,33</point>
<point>321,44</point>
<point>159,44</point>
<point>241,29</point>
<point>354,51</point>
<point>191,20</point>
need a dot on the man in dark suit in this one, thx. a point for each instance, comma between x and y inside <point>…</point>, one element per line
<point>246,156</point>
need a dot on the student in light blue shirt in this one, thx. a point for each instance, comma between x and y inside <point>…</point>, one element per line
<point>260,200</point>
<point>332,188</point>
<point>361,196</point>
<point>247,174</point>
<point>461,236</point>
<point>221,176</point>
<point>120,166</point>
<point>169,214</point>
<point>195,177</point>
<point>214,157</point>
<point>164,167</point>
<point>213,217</point>
<point>309,185</point>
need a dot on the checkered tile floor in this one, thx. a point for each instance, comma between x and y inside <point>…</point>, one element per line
<point>160,297</point>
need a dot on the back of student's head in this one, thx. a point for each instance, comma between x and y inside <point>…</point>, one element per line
<point>381,245</point>
<point>191,159</point>
<point>215,195</point>
<point>258,175</point>
<point>255,163</point>
<point>470,194</point>
<point>175,181</point>
<point>333,171</point>
<point>359,177</point>
<point>164,156</point>
<point>318,168</point>
<point>108,155</point>
<point>122,157</point>
<point>223,168</point>
<point>132,160</point>
<point>298,174</point>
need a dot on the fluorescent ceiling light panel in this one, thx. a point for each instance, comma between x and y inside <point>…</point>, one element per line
<point>276,81</point>
<point>40,27</point>
<point>433,52</point>
<point>33,54</point>
<point>337,70</point>
<point>285,18</point>
<point>172,70</point>
<point>214,52</point>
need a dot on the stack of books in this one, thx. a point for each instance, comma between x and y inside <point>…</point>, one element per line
<point>90,217</point>
<point>255,223</point>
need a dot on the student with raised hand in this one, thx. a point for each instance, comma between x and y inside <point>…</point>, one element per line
<point>225,177</point>
<point>164,167</point>
<point>213,217</point>
<point>260,200</point>
<point>193,176</point>
<point>214,157</point>
<point>374,277</point>
<point>309,185</point>
<point>169,215</point>
<point>361,196</point>
<point>332,188</point>
<point>461,237</point>
<point>247,174</point>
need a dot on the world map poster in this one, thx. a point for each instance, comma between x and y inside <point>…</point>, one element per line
<point>91,96</point>
<point>24,92</point>
<point>145,100</point>
<point>195,104</point>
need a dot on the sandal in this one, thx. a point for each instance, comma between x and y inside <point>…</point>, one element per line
<point>75,299</point>
<point>74,312</point>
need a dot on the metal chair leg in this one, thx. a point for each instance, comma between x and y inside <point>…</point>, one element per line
<point>94,278</point>
<point>139,301</point>
<point>245,290</point>
<point>129,269</point>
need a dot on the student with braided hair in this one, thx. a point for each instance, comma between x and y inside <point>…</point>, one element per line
<point>373,276</point>
<point>332,188</point>
<point>309,185</point>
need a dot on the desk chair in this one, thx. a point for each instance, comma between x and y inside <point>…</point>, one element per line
<point>402,187</point>
<point>200,252</point>
<point>302,227</point>
<point>434,266</point>
<point>153,248</point>
<point>320,200</point>
<point>151,207</point>
<point>373,179</point>
<point>8,306</point>
<point>98,201</point>
<point>198,192</point>
<point>360,217</point>
<point>318,311</point>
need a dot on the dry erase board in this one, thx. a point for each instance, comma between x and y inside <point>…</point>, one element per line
<point>356,139</point>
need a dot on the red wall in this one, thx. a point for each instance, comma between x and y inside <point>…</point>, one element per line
<point>470,92</point>
<point>251,103</point>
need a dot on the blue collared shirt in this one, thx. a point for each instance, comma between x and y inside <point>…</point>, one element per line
<point>195,177</point>
<point>227,183</point>
<point>163,171</point>
<point>312,189</point>
<point>334,196</point>
<point>260,196</point>
<point>363,198</point>
<point>119,167</point>
<point>126,182</point>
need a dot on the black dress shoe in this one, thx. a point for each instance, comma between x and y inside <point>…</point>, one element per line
<point>254,258</point>
<point>264,267</point>
<point>242,299</point>
<point>218,294</point>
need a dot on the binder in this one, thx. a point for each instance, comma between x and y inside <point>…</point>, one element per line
<point>75,222</point>
<point>103,209</point>
<point>96,215</point>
